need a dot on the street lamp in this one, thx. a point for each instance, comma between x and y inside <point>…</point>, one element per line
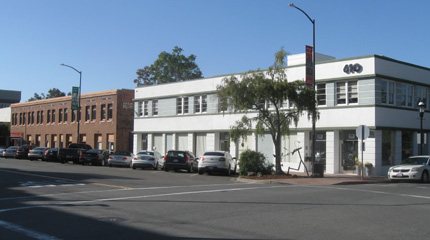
<point>313,63</point>
<point>421,108</point>
<point>79,99</point>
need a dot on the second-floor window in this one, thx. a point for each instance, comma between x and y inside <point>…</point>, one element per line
<point>182,105</point>
<point>103,112</point>
<point>110,111</point>
<point>87,113</point>
<point>321,94</point>
<point>93,113</point>
<point>154,107</point>
<point>387,92</point>
<point>200,104</point>
<point>346,92</point>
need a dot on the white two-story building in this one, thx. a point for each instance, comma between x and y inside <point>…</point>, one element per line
<point>375,91</point>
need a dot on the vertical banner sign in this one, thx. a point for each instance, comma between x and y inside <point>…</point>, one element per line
<point>309,67</point>
<point>75,102</point>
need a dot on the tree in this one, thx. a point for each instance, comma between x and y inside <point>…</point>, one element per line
<point>260,95</point>
<point>169,67</point>
<point>52,93</point>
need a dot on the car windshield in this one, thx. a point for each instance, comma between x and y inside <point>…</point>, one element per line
<point>221,154</point>
<point>94,151</point>
<point>415,161</point>
<point>39,148</point>
<point>146,153</point>
<point>122,153</point>
<point>176,154</point>
<point>12,148</point>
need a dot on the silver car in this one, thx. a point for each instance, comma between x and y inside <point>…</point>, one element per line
<point>147,159</point>
<point>10,152</point>
<point>120,159</point>
<point>36,153</point>
<point>217,161</point>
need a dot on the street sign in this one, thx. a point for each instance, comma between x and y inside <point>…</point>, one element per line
<point>75,101</point>
<point>362,132</point>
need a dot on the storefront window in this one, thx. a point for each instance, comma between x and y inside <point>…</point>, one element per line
<point>387,147</point>
<point>406,144</point>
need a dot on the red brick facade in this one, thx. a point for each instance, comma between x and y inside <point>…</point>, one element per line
<point>106,121</point>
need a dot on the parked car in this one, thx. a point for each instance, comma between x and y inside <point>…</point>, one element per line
<point>10,152</point>
<point>51,154</point>
<point>176,160</point>
<point>412,168</point>
<point>217,161</point>
<point>37,153</point>
<point>2,150</point>
<point>120,158</point>
<point>147,159</point>
<point>95,157</point>
<point>72,152</point>
<point>22,151</point>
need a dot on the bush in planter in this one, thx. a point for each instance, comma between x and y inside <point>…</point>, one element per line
<point>252,161</point>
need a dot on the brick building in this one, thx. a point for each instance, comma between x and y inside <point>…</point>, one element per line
<point>106,121</point>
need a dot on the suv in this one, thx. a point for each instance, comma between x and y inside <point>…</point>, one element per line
<point>176,159</point>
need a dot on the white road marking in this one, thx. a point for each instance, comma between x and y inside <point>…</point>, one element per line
<point>139,197</point>
<point>27,232</point>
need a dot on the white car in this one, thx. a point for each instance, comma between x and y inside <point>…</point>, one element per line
<point>217,161</point>
<point>412,168</point>
<point>147,159</point>
<point>120,159</point>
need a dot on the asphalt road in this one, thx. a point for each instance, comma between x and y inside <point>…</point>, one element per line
<point>45,200</point>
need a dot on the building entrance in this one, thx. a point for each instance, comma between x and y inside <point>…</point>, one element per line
<point>348,151</point>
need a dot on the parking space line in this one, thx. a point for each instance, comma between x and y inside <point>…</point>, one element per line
<point>112,186</point>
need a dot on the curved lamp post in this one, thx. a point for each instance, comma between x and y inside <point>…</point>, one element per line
<point>313,63</point>
<point>421,108</point>
<point>79,99</point>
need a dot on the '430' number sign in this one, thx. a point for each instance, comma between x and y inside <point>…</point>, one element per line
<point>353,68</point>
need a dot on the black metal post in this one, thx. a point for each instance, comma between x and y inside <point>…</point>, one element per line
<point>314,70</point>
<point>79,100</point>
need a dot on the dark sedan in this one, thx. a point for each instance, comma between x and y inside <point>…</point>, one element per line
<point>95,157</point>
<point>51,155</point>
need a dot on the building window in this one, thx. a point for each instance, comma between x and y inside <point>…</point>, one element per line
<point>182,105</point>
<point>140,109</point>
<point>41,117</point>
<point>93,113</point>
<point>74,115</point>
<point>60,115</point>
<point>29,118</point>
<point>321,94</point>
<point>110,111</point>
<point>87,113</point>
<point>420,96</point>
<point>387,92</point>
<point>48,119</point>
<point>222,104</point>
<point>103,112</point>
<point>32,118</point>
<point>53,116</point>
<point>154,107</point>
<point>145,108</point>
<point>346,92</point>
<point>66,111</point>
<point>200,104</point>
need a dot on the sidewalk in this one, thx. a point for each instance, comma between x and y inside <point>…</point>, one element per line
<point>328,179</point>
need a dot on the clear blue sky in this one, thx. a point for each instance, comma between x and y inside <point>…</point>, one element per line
<point>108,40</point>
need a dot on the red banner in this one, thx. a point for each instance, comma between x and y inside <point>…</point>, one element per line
<point>309,67</point>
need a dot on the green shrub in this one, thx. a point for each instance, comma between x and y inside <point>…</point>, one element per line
<point>252,161</point>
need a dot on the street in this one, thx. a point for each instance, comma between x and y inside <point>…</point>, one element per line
<point>48,200</point>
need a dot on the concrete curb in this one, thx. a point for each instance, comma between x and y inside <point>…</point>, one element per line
<point>317,181</point>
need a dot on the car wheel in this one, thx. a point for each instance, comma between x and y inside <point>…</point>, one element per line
<point>110,164</point>
<point>425,177</point>
<point>134,167</point>
<point>201,172</point>
<point>229,170</point>
<point>190,170</point>
<point>156,166</point>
